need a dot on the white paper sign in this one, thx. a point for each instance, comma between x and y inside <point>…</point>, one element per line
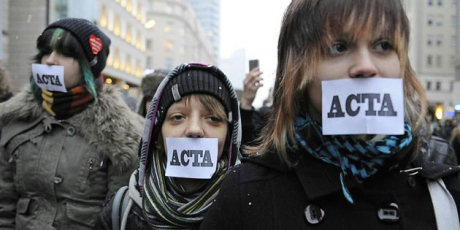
<point>191,157</point>
<point>50,77</point>
<point>363,106</point>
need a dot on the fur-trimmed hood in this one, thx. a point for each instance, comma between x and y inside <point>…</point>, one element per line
<point>108,125</point>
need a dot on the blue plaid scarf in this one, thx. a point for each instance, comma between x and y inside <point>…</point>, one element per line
<point>356,158</point>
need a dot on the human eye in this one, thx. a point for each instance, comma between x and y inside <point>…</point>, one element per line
<point>338,47</point>
<point>214,118</point>
<point>176,117</point>
<point>383,46</point>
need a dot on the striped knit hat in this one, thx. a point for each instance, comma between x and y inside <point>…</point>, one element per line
<point>94,42</point>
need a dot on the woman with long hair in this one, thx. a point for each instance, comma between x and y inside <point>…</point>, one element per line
<point>301,178</point>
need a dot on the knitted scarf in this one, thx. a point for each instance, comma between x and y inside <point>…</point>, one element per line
<point>167,205</point>
<point>63,105</point>
<point>356,158</point>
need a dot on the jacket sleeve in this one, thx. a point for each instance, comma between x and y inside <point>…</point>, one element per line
<point>8,194</point>
<point>225,212</point>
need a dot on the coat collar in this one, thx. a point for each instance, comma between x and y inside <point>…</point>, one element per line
<point>319,179</point>
<point>108,125</point>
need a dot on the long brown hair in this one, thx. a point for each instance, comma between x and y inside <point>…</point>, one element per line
<point>307,29</point>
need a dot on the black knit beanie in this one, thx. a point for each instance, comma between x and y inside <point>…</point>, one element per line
<point>194,81</point>
<point>94,42</point>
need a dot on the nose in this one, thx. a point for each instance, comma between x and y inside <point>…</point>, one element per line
<point>51,59</point>
<point>363,65</point>
<point>194,129</point>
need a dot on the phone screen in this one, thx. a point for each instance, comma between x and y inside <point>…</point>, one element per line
<point>253,64</point>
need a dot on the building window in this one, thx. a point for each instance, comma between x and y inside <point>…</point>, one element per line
<point>430,20</point>
<point>116,63</point>
<point>439,40</point>
<point>430,39</point>
<point>117,25</point>
<point>428,85</point>
<point>439,2</point>
<point>149,44</point>
<point>103,20</point>
<point>429,61</point>
<point>454,2</point>
<point>129,35</point>
<point>138,72</point>
<point>430,2</point>
<point>453,60</point>
<point>439,21</point>
<point>138,40</point>
<point>454,42</point>
<point>454,20</point>
<point>110,59</point>
<point>110,20</point>
<point>128,68</point>
<point>438,85</point>
<point>129,6</point>
<point>139,12</point>
<point>169,45</point>
<point>168,28</point>
<point>439,61</point>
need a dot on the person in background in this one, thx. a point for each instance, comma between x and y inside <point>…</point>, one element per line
<point>299,178</point>
<point>455,141</point>
<point>62,153</point>
<point>149,86</point>
<point>194,102</point>
<point>252,120</point>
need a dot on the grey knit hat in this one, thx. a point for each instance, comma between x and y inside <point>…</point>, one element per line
<point>94,42</point>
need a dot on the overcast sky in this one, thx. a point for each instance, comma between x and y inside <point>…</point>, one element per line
<point>253,25</point>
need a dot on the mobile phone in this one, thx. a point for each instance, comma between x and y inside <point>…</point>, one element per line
<point>253,64</point>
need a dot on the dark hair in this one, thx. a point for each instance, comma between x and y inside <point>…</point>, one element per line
<point>63,42</point>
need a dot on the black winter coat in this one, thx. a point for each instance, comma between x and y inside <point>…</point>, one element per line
<point>264,194</point>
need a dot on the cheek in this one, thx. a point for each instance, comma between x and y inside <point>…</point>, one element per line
<point>391,67</point>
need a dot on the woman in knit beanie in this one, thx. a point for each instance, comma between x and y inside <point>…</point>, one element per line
<point>194,104</point>
<point>67,142</point>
